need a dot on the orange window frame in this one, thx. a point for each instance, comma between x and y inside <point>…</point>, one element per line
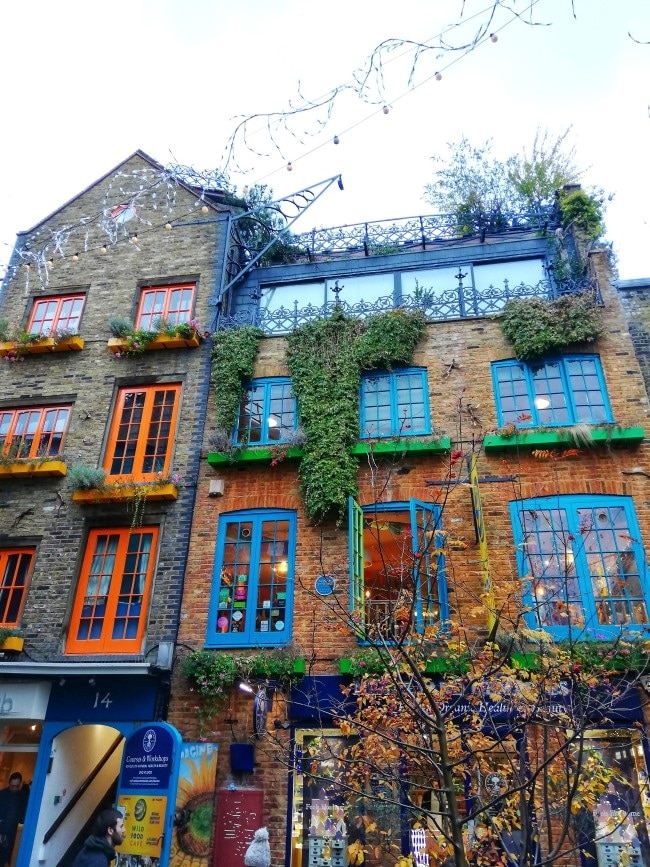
<point>146,319</point>
<point>137,434</point>
<point>10,421</point>
<point>104,602</point>
<point>16,566</point>
<point>56,318</point>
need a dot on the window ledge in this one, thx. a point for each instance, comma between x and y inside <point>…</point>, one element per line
<point>120,345</point>
<point>254,455</point>
<point>617,436</point>
<point>33,468</point>
<point>126,492</point>
<point>75,343</point>
<point>397,447</point>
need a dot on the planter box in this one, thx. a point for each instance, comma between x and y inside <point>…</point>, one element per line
<point>397,447</point>
<point>626,436</point>
<point>260,454</point>
<point>33,468</point>
<point>47,344</point>
<point>13,644</point>
<point>299,666</point>
<point>345,666</point>
<point>127,492</point>
<point>119,345</point>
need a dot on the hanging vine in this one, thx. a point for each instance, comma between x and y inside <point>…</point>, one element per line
<point>325,359</point>
<point>233,359</point>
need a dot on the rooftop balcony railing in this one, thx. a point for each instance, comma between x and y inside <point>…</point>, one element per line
<point>463,302</point>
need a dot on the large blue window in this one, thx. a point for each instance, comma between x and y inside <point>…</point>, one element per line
<point>562,391</point>
<point>267,413</point>
<point>397,580</point>
<point>252,585</point>
<point>584,564</point>
<point>395,403</point>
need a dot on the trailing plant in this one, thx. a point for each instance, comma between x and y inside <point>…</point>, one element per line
<point>233,359</point>
<point>325,359</point>
<point>137,339</point>
<point>368,660</point>
<point>536,327</point>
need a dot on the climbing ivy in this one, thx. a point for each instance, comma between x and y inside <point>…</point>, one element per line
<point>233,358</point>
<point>537,327</point>
<point>325,359</point>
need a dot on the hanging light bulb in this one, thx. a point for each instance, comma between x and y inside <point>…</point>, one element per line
<point>385,109</point>
<point>50,263</point>
<point>204,209</point>
<point>168,226</point>
<point>133,239</point>
<point>75,257</point>
<point>494,37</point>
<point>336,139</point>
<point>245,191</point>
<point>26,266</point>
<point>438,76</point>
<point>289,167</point>
<point>103,249</point>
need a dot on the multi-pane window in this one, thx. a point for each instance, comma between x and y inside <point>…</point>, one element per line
<point>562,391</point>
<point>33,433</point>
<point>584,564</point>
<point>173,304</point>
<point>267,412</point>
<point>252,586</point>
<point>397,580</point>
<point>60,313</point>
<point>142,432</point>
<point>15,569</point>
<point>110,607</point>
<point>395,403</point>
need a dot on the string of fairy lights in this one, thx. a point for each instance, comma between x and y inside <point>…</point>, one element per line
<point>131,195</point>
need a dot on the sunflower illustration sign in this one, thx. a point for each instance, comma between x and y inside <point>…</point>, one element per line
<point>192,843</point>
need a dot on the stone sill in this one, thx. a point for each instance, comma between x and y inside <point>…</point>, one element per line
<point>47,344</point>
<point>120,345</point>
<point>126,492</point>
<point>265,454</point>
<point>33,468</point>
<point>618,436</point>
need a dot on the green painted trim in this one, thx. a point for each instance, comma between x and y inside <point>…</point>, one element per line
<point>621,436</point>
<point>345,666</point>
<point>396,447</point>
<point>254,455</point>
<point>299,666</point>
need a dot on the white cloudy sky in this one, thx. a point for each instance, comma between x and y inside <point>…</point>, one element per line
<point>83,84</point>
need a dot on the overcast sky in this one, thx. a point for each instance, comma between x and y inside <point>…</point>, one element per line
<point>84,84</point>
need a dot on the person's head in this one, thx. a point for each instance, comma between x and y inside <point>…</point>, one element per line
<point>109,824</point>
<point>15,781</point>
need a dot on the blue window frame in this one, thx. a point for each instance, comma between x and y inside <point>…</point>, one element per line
<point>584,564</point>
<point>395,403</point>
<point>252,584</point>
<point>397,576</point>
<point>267,413</point>
<point>560,391</point>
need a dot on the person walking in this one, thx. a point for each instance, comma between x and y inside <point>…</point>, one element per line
<point>13,804</point>
<point>99,848</point>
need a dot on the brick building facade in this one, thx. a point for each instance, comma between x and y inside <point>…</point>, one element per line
<point>93,578</point>
<point>461,401</point>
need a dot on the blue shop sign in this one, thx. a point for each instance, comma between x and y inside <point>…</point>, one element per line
<point>103,698</point>
<point>148,758</point>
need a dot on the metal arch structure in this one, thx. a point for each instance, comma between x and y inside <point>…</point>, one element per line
<point>240,258</point>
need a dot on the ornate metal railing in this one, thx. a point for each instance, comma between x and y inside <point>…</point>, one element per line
<point>461,303</point>
<point>408,232</point>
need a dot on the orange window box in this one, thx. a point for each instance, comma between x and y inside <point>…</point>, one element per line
<point>126,492</point>
<point>120,344</point>
<point>39,347</point>
<point>33,468</point>
<point>14,643</point>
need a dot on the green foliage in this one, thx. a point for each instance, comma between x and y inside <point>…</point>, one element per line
<point>119,326</point>
<point>85,478</point>
<point>549,167</point>
<point>537,327</point>
<point>325,358</point>
<point>599,656</point>
<point>390,339</point>
<point>233,358</point>
<point>264,223</point>
<point>368,661</point>
<point>6,632</point>
<point>582,211</point>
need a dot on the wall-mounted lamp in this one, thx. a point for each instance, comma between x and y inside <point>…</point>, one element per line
<point>246,687</point>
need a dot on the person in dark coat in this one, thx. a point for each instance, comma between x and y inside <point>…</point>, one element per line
<point>99,848</point>
<point>13,804</point>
